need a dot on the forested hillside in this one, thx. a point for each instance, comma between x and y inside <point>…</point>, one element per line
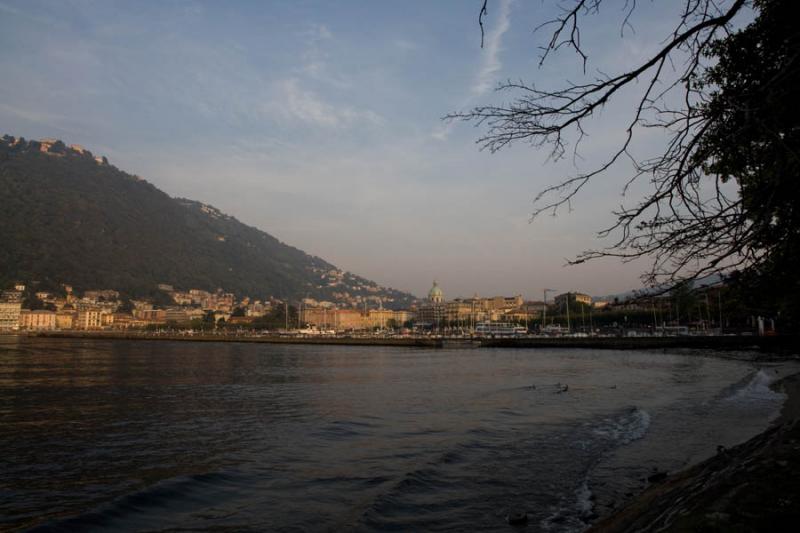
<point>69,217</point>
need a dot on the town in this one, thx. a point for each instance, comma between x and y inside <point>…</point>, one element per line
<point>569,313</point>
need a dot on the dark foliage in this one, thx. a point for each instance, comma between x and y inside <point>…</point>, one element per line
<point>755,140</point>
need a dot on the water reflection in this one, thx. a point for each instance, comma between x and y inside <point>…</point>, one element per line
<point>136,435</point>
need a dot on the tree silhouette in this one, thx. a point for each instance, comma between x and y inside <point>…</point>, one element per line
<point>722,193</point>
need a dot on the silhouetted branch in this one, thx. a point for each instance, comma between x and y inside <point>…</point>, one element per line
<point>686,224</point>
<point>482,14</point>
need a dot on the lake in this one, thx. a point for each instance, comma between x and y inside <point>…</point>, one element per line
<point>150,435</point>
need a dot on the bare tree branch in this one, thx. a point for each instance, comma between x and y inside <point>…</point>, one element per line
<point>482,14</point>
<point>687,225</point>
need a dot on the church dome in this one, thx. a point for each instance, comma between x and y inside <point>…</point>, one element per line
<point>436,294</point>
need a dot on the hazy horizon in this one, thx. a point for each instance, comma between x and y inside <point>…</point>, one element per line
<point>321,125</point>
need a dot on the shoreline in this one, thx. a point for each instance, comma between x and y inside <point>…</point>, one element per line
<point>753,486</point>
<point>777,344</point>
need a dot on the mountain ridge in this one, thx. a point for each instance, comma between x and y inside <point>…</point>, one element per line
<point>72,217</point>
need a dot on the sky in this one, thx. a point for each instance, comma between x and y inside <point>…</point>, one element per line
<point>321,123</point>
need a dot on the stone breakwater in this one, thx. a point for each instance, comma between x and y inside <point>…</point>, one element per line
<point>423,342</point>
<point>781,345</point>
<point>754,486</point>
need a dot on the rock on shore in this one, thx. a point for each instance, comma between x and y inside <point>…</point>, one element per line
<point>754,486</point>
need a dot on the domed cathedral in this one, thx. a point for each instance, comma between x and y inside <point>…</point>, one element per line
<point>431,313</point>
<point>435,295</point>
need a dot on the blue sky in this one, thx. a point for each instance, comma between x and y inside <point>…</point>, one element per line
<point>319,122</point>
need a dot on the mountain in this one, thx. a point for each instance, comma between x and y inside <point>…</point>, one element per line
<point>708,280</point>
<point>70,217</point>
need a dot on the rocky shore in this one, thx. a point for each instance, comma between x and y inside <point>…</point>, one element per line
<point>754,486</point>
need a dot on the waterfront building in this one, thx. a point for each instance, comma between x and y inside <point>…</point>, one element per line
<point>9,315</point>
<point>39,320</point>
<point>65,318</point>
<point>89,318</point>
<point>460,311</point>
<point>338,319</point>
<point>387,318</point>
<point>379,318</point>
<point>315,316</point>
<point>348,319</point>
<point>401,317</point>
<point>353,319</point>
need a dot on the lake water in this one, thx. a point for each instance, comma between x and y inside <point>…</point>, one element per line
<point>139,436</point>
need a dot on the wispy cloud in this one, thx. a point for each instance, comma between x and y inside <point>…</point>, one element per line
<point>315,59</point>
<point>489,67</point>
<point>306,105</point>
<point>491,63</point>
